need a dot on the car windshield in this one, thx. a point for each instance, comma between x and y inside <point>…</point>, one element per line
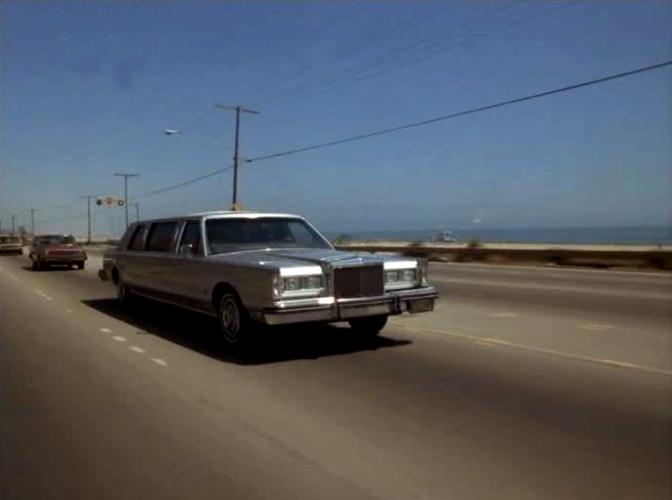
<point>228,235</point>
<point>56,240</point>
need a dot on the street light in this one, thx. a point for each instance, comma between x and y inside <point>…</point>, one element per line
<point>236,154</point>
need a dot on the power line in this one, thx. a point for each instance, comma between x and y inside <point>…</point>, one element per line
<point>461,113</point>
<point>181,184</point>
<point>383,63</point>
<point>409,125</point>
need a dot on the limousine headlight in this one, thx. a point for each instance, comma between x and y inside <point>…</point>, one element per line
<point>402,274</point>
<point>295,282</point>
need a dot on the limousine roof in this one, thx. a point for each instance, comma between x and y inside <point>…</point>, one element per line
<point>239,213</point>
<point>220,214</point>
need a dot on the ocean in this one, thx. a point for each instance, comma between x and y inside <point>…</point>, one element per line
<point>625,235</point>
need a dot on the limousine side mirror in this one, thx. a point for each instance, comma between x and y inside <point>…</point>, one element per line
<point>187,249</point>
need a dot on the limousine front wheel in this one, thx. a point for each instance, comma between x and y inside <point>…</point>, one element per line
<point>233,320</point>
<point>370,326</point>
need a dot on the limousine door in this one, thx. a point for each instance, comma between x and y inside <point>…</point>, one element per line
<point>155,265</point>
<point>188,273</point>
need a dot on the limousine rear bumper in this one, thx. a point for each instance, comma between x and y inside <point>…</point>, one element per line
<point>328,309</point>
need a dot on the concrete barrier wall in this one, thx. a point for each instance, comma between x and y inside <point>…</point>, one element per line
<point>598,257</point>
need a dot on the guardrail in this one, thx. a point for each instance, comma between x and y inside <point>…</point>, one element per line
<point>592,257</point>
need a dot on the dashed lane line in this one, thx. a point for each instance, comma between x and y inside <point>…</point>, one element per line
<point>105,330</point>
<point>503,314</point>
<point>137,349</point>
<point>159,361</point>
<point>597,327</point>
<point>542,350</point>
<point>119,338</point>
<point>42,294</point>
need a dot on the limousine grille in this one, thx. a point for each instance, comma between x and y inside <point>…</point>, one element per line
<point>359,281</point>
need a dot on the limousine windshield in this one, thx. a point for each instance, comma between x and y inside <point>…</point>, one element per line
<point>228,235</point>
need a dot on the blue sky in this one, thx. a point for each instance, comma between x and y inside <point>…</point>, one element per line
<point>88,88</point>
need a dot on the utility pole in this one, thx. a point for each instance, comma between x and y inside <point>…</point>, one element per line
<point>32,221</point>
<point>136,205</point>
<point>236,155</point>
<point>88,197</point>
<point>14,224</point>
<point>126,176</point>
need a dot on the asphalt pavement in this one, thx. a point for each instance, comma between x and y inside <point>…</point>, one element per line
<point>525,383</point>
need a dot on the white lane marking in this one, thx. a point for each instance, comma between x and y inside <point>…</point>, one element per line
<point>542,350</point>
<point>69,311</point>
<point>537,287</point>
<point>598,327</point>
<point>483,343</point>
<point>568,270</point>
<point>105,330</point>
<point>137,349</point>
<point>119,338</point>
<point>42,294</point>
<point>159,361</point>
<point>13,276</point>
<point>503,314</point>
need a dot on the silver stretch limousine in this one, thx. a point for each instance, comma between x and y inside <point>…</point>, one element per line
<point>246,267</point>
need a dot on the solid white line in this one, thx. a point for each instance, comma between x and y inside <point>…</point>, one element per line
<point>159,361</point>
<point>551,352</point>
<point>137,349</point>
<point>119,338</point>
<point>556,288</point>
<point>503,267</point>
<point>105,330</point>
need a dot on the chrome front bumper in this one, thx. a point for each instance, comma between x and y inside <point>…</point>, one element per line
<point>63,259</point>
<point>328,309</point>
<point>11,249</point>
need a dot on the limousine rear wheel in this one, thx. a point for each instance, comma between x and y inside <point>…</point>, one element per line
<point>232,318</point>
<point>370,326</point>
<point>124,294</point>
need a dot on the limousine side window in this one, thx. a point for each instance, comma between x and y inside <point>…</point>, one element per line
<point>138,239</point>
<point>160,237</point>
<point>191,238</point>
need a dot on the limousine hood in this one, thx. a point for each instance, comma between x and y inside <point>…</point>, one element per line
<point>284,257</point>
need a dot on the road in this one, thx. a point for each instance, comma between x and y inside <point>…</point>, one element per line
<point>525,383</point>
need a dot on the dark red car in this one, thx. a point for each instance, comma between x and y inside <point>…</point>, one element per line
<point>56,249</point>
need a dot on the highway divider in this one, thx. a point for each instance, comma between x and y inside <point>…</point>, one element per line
<point>595,256</point>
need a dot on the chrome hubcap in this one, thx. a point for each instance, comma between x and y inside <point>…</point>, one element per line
<point>230,318</point>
